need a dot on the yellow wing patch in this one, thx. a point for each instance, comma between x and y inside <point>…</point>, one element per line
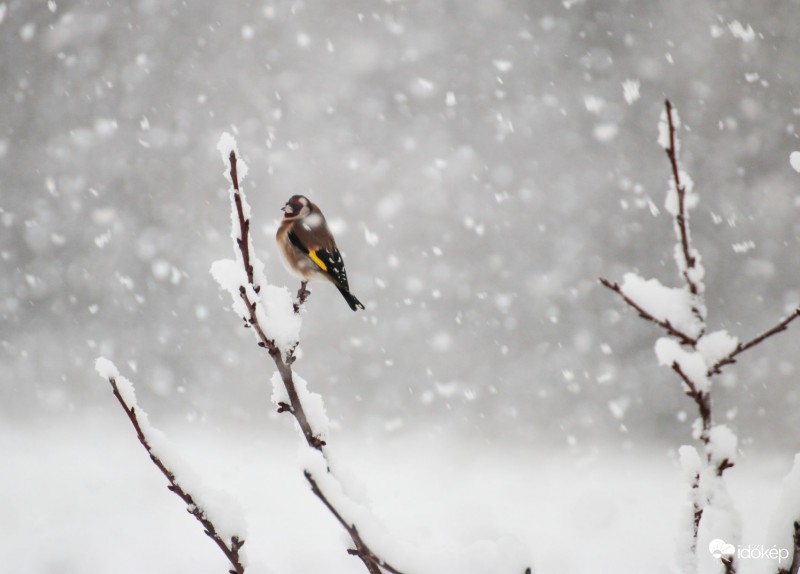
<point>317,260</point>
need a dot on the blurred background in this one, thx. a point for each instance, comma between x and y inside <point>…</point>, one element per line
<point>481,163</point>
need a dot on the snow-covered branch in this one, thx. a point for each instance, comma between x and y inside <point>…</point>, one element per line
<point>696,356</point>
<point>221,525</point>
<point>370,559</point>
<point>274,317</point>
<point>664,323</point>
<point>680,200</point>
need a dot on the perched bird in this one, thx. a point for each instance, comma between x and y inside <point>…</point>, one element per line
<point>309,250</point>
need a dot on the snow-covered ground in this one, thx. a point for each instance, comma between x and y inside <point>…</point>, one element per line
<point>80,496</point>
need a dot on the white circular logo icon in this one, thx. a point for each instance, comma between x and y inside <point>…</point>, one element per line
<point>721,549</point>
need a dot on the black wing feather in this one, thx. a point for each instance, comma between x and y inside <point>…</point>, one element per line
<point>331,258</point>
<point>335,264</point>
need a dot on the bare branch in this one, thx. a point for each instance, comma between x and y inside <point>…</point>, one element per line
<point>681,219</point>
<point>285,371</point>
<point>230,549</point>
<point>700,398</point>
<point>666,325</point>
<point>244,224</point>
<point>373,563</point>
<point>697,511</point>
<point>742,347</point>
<point>723,466</point>
<point>302,295</point>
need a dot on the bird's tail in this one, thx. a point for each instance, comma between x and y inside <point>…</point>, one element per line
<point>354,303</point>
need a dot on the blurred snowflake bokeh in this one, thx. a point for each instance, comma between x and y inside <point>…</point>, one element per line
<point>481,163</point>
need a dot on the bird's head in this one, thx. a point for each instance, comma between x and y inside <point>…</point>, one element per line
<point>297,207</point>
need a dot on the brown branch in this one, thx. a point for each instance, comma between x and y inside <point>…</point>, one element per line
<point>697,511</point>
<point>231,550</point>
<point>302,295</point>
<point>724,465</point>
<point>794,567</point>
<point>666,325</point>
<point>742,347</point>
<point>244,224</point>
<point>373,563</point>
<point>682,217</point>
<point>295,408</point>
<point>701,398</point>
<point>703,401</point>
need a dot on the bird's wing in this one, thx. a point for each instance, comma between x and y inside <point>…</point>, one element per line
<point>318,244</point>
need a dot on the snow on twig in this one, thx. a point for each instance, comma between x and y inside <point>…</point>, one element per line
<point>222,524</point>
<point>684,338</point>
<point>680,200</point>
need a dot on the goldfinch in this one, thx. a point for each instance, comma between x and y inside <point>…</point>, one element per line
<point>309,250</point>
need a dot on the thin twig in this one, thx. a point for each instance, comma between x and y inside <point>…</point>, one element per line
<point>681,219</point>
<point>742,347</point>
<point>700,398</point>
<point>244,224</point>
<point>295,407</point>
<point>302,295</point>
<point>697,511</point>
<point>666,325</point>
<point>231,550</point>
<point>371,561</point>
